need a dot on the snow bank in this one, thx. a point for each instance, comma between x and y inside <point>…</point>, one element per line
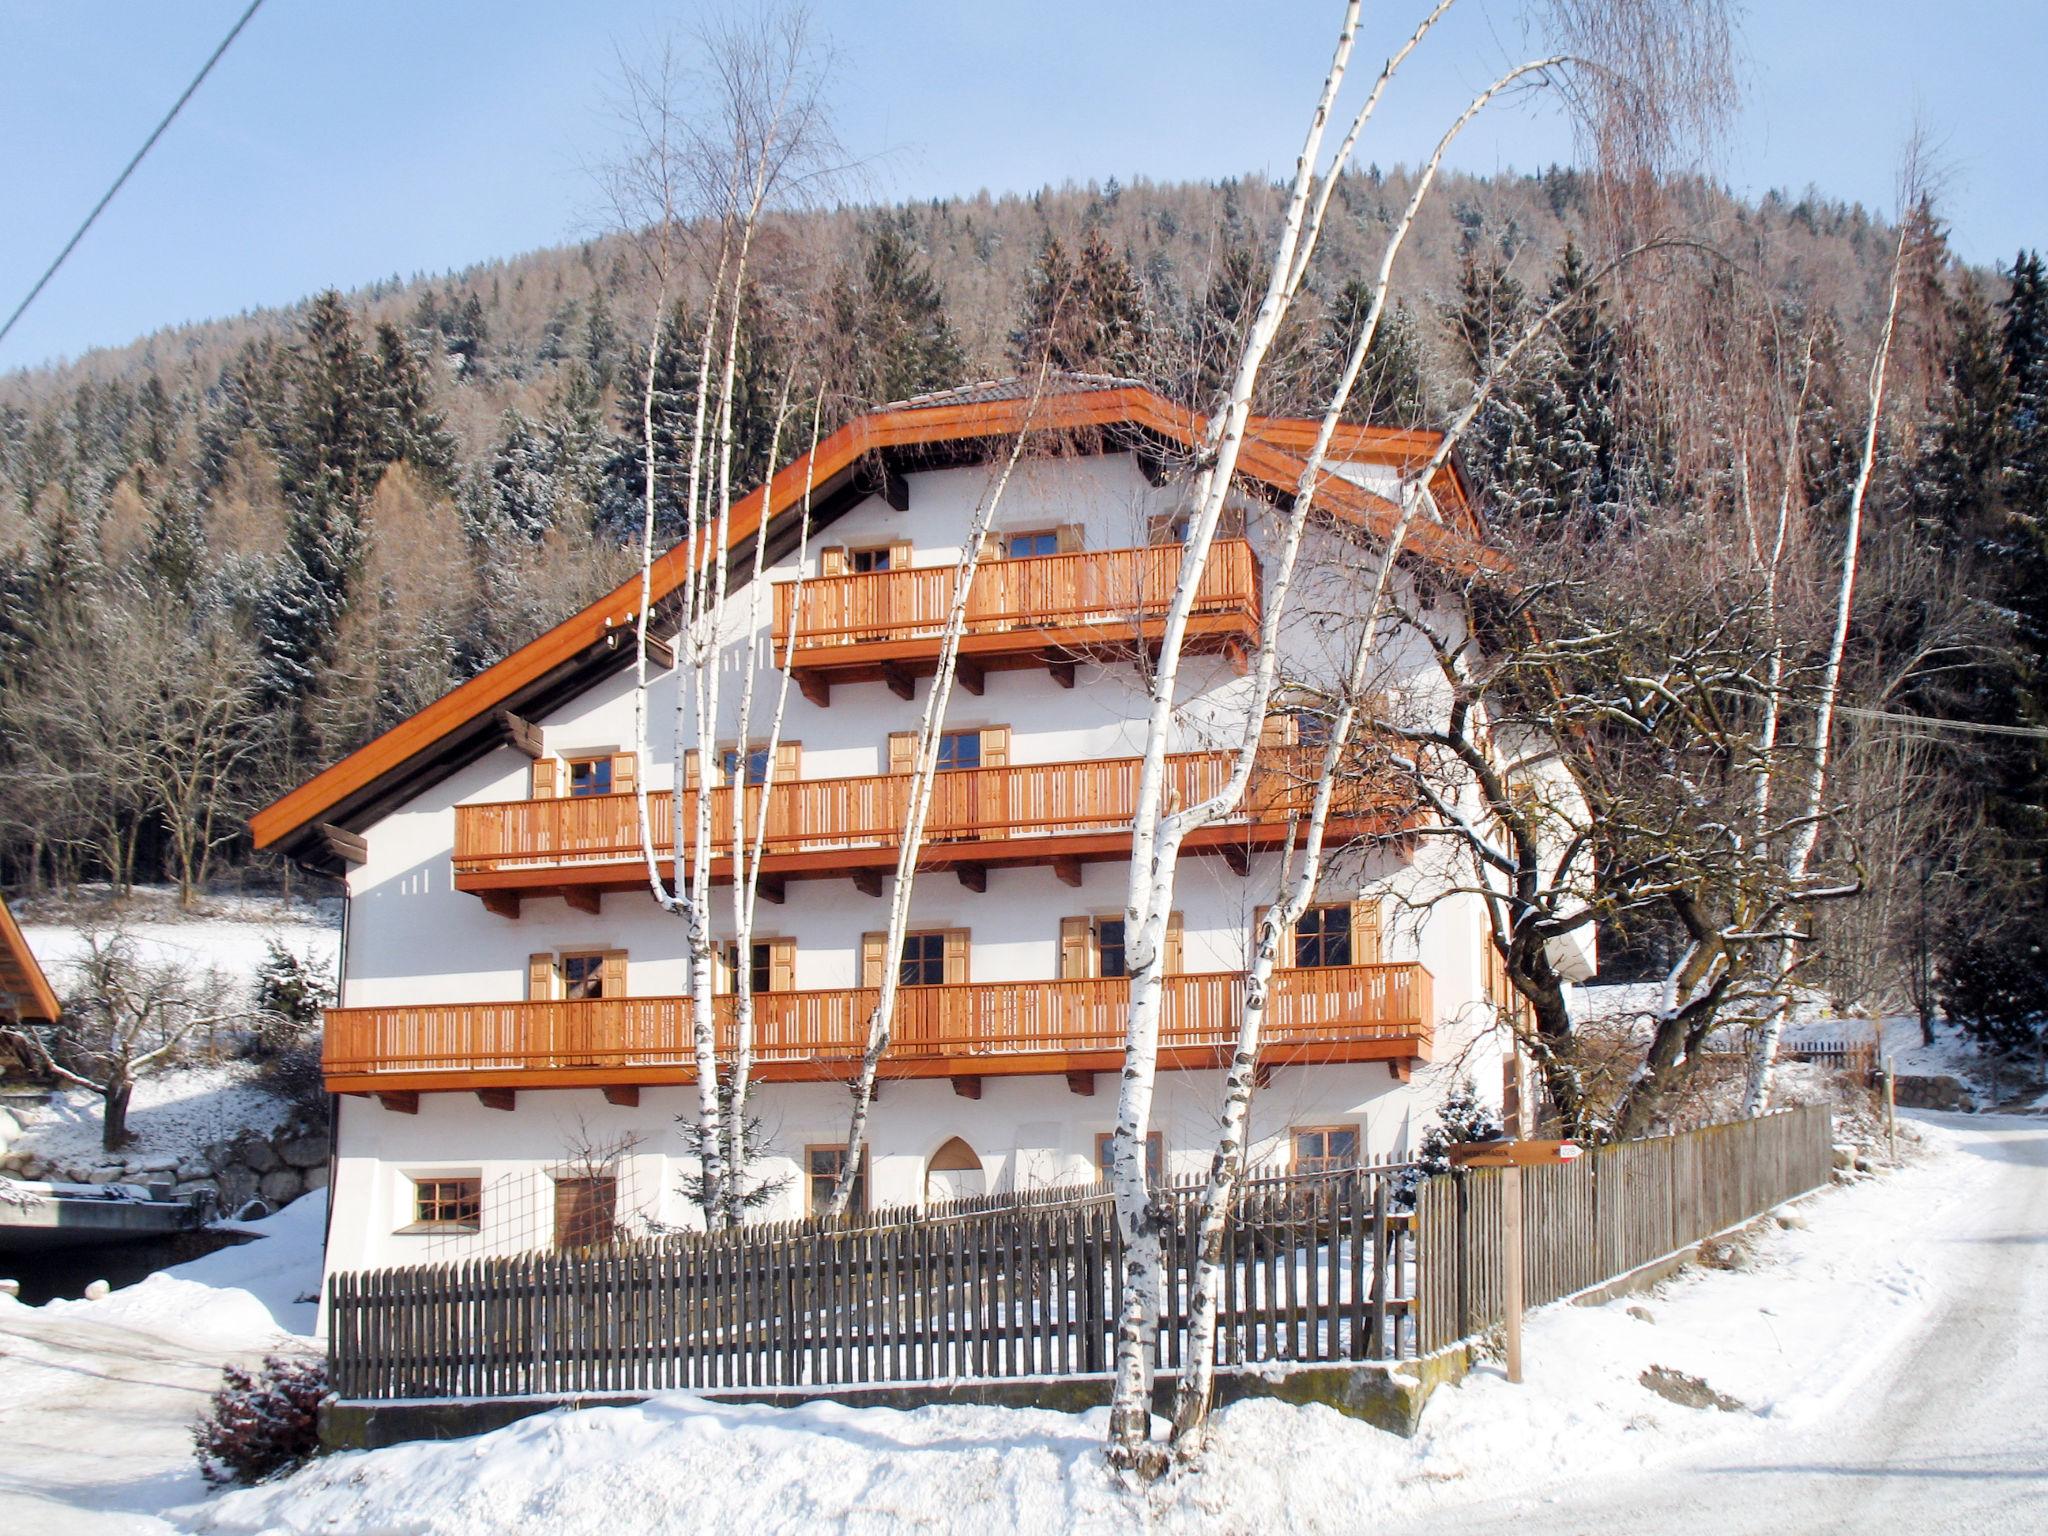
<point>1820,1308</point>
<point>242,1295</point>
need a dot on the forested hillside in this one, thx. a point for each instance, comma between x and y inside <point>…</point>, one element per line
<point>231,552</point>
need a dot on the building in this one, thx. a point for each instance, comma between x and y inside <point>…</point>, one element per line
<point>511,1055</point>
<point>26,996</point>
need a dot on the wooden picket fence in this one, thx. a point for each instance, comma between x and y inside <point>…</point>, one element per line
<point>1317,1268</point>
<point>1324,1268</point>
<point>1604,1214</point>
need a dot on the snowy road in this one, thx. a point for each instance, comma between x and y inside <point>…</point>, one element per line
<point>95,1429</point>
<point>1943,1432</point>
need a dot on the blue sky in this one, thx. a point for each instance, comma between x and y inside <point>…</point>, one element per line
<point>342,142</point>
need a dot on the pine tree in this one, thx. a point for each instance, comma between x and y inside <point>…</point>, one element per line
<point>889,317</point>
<point>1390,391</point>
<point>1088,316</point>
<point>408,426</point>
<point>329,466</point>
<point>1982,484</point>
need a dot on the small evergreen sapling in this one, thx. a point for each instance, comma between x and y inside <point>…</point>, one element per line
<point>1464,1117</point>
<point>260,1425</point>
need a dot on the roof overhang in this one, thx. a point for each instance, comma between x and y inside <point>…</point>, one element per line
<point>23,988</point>
<point>314,823</point>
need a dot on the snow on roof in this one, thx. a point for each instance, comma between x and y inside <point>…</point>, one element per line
<point>1019,387</point>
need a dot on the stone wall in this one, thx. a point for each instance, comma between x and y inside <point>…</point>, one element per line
<point>236,1175</point>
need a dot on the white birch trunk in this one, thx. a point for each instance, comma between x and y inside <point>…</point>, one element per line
<point>881,1023</point>
<point>1799,854</point>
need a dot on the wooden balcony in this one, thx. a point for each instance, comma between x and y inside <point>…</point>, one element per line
<point>1058,814</point>
<point>989,1029</point>
<point>1041,611</point>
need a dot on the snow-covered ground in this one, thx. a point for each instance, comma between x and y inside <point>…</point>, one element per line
<point>231,934</point>
<point>1884,1352</point>
<point>172,1116</point>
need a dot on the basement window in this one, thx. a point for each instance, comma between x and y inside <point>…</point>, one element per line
<point>447,1205</point>
<point>1324,1148</point>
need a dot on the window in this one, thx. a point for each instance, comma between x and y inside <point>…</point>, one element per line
<point>447,1205</point>
<point>1323,936</point>
<point>582,977</point>
<point>1155,1156</point>
<point>772,969</point>
<point>586,1210</point>
<point>822,1166</point>
<point>590,776</point>
<point>959,749</point>
<point>1096,947</point>
<point>1021,546</point>
<point>757,764</point>
<point>1109,946</point>
<point>1325,1148</point>
<point>863,561</point>
<point>924,960</point>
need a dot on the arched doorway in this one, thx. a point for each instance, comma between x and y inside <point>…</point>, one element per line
<point>954,1173</point>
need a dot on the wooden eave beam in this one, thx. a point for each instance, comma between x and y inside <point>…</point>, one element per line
<point>584,898</point>
<point>522,733</point>
<point>500,903</point>
<point>625,1095</point>
<point>342,845</point>
<point>902,681</point>
<point>868,882</point>
<point>814,686</point>
<point>1082,1083</point>
<point>498,1098</point>
<point>973,876</point>
<point>1067,871</point>
<point>967,1086</point>
<point>403,1102</point>
<point>969,676</point>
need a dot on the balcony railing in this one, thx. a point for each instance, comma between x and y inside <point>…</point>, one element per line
<point>810,816</point>
<point>1325,1014</point>
<point>1109,590</point>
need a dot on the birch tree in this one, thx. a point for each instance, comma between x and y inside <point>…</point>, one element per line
<point>1632,34</point>
<point>700,186</point>
<point>1799,846</point>
<point>910,846</point>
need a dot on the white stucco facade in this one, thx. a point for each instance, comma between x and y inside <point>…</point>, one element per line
<point>413,938</point>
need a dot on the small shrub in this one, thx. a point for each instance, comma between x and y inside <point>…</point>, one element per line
<point>293,1073</point>
<point>1464,1117</point>
<point>259,1425</point>
<point>290,992</point>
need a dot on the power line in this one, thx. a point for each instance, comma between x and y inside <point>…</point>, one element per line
<point>1932,723</point>
<point>147,145</point>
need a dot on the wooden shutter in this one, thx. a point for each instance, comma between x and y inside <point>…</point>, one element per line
<point>1173,944</point>
<point>873,956</point>
<point>1076,934</point>
<point>902,751</point>
<point>693,768</point>
<point>781,965</point>
<point>540,978</point>
<point>832,560</point>
<point>625,773</point>
<point>586,1210</point>
<point>1067,538</point>
<point>1365,933</point>
<point>993,546</point>
<point>956,957</point>
<point>995,746</point>
<point>1280,731</point>
<point>899,555</point>
<point>1284,956</point>
<point>789,761</point>
<point>613,982</point>
<point>547,773</point>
